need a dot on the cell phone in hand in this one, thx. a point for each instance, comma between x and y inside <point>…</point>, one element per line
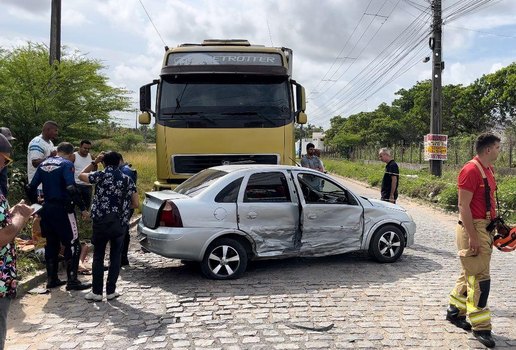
<point>35,208</point>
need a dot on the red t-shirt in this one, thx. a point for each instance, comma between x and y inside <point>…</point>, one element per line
<point>470,179</point>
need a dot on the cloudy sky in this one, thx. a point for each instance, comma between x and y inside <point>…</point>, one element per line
<point>350,55</point>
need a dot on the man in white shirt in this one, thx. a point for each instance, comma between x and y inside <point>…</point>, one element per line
<point>41,147</point>
<point>81,160</point>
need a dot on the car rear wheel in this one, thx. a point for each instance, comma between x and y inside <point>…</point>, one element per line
<point>387,244</point>
<point>224,259</point>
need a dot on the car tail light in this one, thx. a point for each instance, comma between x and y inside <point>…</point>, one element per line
<point>170,216</point>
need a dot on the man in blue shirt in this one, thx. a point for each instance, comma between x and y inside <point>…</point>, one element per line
<point>58,222</point>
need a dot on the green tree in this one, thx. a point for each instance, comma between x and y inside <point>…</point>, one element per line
<point>73,92</point>
<point>307,131</point>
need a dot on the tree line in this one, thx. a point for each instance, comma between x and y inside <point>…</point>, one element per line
<point>488,104</point>
<point>74,92</point>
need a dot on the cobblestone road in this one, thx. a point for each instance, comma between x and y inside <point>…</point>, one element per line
<point>167,305</point>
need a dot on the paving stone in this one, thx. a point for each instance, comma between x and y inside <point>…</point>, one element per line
<point>371,305</point>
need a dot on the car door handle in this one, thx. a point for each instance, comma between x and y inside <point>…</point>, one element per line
<point>312,216</point>
<point>252,215</point>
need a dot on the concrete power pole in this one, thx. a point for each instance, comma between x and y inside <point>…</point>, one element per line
<point>437,67</point>
<point>55,32</point>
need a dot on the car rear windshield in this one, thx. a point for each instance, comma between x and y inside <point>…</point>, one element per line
<point>200,181</point>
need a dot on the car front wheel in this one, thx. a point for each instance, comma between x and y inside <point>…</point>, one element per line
<point>387,244</point>
<point>224,259</point>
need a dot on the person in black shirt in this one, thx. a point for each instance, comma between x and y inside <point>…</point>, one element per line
<point>390,181</point>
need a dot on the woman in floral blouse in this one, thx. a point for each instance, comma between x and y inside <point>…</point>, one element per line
<point>12,222</point>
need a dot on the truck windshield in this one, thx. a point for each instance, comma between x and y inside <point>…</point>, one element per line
<point>224,102</point>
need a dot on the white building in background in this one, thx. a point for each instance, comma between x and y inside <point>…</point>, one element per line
<point>317,139</point>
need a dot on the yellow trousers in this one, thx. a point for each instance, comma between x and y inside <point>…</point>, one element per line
<point>472,287</point>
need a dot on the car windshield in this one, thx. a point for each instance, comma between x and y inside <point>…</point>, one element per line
<point>200,181</point>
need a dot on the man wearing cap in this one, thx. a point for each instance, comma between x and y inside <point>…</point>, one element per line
<point>12,222</point>
<point>4,186</point>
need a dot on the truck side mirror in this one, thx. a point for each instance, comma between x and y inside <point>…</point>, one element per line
<point>302,118</point>
<point>300,98</point>
<point>144,118</point>
<point>145,97</point>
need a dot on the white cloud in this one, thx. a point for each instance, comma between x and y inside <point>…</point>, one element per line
<point>119,33</point>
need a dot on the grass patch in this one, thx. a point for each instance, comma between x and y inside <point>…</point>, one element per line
<point>421,184</point>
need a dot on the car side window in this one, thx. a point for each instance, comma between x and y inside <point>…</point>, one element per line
<point>267,187</point>
<point>319,190</point>
<point>229,194</point>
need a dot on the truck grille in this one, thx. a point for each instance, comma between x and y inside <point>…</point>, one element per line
<point>194,164</point>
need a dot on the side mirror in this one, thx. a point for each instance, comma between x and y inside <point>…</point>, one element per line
<point>145,97</point>
<point>144,118</point>
<point>300,98</point>
<point>302,118</point>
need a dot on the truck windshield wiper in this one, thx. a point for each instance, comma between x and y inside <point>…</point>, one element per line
<point>179,113</point>
<point>240,113</point>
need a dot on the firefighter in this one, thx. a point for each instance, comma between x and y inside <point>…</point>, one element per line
<point>476,188</point>
<point>58,222</point>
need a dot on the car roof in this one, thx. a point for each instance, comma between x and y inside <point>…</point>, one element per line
<point>242,167</point>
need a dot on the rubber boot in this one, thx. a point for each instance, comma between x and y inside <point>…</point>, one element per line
<point>452,315</point>
<point>73,282</point>
<point>53,280</point>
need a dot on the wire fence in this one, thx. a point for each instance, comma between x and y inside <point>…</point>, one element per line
<point>459,152</point>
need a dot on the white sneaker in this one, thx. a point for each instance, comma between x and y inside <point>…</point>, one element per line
<point>112,296</point>
<point>93,297</point>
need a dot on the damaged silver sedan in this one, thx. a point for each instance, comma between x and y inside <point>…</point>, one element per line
<point>225,216</point>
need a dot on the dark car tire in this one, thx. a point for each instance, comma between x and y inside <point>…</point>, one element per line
<point>224,266</point>
<point>387,244</point>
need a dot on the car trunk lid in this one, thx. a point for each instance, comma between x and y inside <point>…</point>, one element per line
<point>152,204</point>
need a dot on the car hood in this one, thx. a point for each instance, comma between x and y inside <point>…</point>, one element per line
<point>382,204</point>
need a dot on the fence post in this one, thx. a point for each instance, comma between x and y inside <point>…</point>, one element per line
<point>510,151</point>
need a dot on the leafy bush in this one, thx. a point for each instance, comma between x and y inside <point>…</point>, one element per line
<point>448,198</point>
<point>507,198</point>
<point>420,184</point>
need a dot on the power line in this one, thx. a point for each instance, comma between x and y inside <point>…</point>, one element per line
<point>377,69</point>
<point>269,29</point>
<point>150,19</point>
<point>363,48</point>
<point>342,50</point>
<point>483,32</point>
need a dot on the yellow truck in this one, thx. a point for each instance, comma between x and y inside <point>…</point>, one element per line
<point>222,102</point>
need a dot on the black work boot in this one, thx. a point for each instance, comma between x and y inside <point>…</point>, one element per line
<point>73,282</point>
<point>452,315</point>
<point>53,280</point>
<point>485,338</point>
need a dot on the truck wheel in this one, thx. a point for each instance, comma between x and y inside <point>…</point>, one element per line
<point>387,244</point>
<point>224,259</point>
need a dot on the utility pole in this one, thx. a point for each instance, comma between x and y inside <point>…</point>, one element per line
<point>55,32</point>
<point>437,67</point>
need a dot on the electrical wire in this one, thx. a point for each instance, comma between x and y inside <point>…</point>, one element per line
<point>342,50</point>
<point>378,68</point>
<point>150,19</point>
